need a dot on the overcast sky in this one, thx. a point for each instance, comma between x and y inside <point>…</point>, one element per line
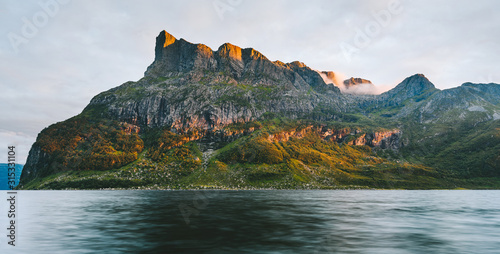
<point>55,56</point>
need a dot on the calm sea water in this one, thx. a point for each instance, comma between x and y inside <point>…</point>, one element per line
<point>257,222</point>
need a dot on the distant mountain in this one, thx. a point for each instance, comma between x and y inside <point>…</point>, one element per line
<point>4,178</point>
<point>359,86</point>
<point>231,118</point>
<point>356,81</point>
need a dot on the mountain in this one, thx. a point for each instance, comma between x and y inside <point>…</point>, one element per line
<point>231,118</point>
<point>356,81</point>
<point>359,86</point>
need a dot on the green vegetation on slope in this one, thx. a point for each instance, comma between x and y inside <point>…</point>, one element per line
<point>80,143</point>
<point>171,161</point>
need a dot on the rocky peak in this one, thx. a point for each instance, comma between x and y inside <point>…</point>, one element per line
<point>250,54</point>
<point>229,59</point>
<point>358,86</point>
<point>172,55</point>
<point>355,81</point>
<point>236,60</point>
<point>164,39</point>
<point>412,86</point>
<point>417,83</point>
<point>228,50</point>
<point>296,64</point>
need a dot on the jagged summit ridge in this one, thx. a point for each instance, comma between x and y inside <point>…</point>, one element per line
<point>190,86</point>
<point>179,55</point>
<point>291,89</point>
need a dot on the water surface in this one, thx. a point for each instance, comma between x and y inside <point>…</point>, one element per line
<point>258,222</point>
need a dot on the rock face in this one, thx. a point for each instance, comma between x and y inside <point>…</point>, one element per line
<point>383,139</point>
<point>380,139</point>
<point>180,56</point>
<point>189,86</point>
<point>36,159</point>
<point>355,81</point>
<point>358,86</point>
<point>196,92</point>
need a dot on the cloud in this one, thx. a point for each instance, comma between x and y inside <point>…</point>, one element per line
<point>338,79</point>
<point>20,140</point>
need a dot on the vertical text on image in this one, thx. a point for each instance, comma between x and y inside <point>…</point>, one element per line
<point>11,167</point>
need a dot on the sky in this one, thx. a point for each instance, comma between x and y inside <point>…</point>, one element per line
<point>57,54</point>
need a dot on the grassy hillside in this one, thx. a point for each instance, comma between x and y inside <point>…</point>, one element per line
<point>174,161</point>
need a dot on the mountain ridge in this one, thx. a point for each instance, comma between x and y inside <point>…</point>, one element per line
<point>231,114</point>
